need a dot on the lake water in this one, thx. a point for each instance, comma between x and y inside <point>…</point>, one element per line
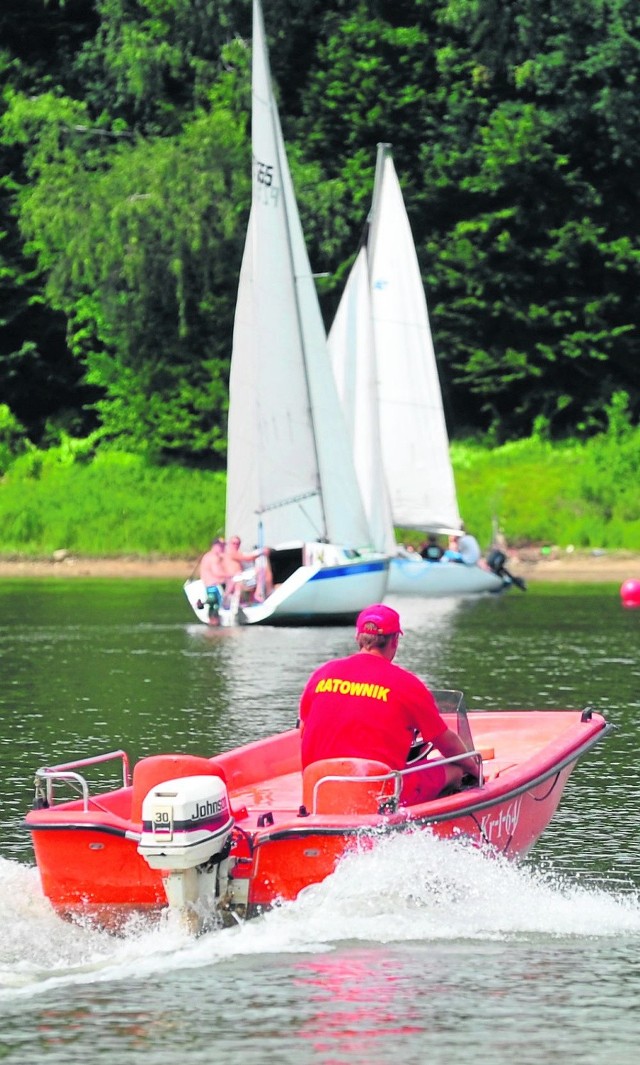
<point>416,952</point>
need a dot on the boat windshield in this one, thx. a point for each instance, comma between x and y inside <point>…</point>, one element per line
<point>452,703</point>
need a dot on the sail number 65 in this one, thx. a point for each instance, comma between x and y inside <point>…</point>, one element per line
<point>264,173</point>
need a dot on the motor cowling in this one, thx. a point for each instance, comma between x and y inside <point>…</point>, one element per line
<point>186,823</point>
<point>496,560</point>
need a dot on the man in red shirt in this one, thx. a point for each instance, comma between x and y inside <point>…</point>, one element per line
<point>363,706</point>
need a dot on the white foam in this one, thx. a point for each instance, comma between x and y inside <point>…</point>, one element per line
<point>412,887</point>
<point>419,887</point>
<point>39,949</point>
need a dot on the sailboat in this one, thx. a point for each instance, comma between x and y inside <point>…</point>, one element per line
<point>291,480</point>
<point>385,368</point>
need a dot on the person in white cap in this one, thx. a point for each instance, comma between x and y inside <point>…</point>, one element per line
<point>364,706</point>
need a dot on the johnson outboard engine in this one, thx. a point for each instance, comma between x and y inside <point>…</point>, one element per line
<point>186,834</point>
<point>496,561</point>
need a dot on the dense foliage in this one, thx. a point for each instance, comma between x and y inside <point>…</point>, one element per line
<point>97,503</point>
<point>125,155</point>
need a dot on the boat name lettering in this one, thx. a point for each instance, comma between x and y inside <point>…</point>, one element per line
<point>352,687</point>
<point>206,809</point>
<point>264,173</point>
<point>501,822</point>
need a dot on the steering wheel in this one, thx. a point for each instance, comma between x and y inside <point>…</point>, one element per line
<point>418,750</point>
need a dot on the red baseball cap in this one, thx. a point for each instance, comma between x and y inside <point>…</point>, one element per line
<point>378,620</point>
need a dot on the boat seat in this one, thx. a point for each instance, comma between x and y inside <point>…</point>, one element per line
<point>496,769</point>
<point>345,795</point>
<point>149,772</point>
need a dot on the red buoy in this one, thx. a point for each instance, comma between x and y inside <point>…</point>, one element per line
<point>630,593</point>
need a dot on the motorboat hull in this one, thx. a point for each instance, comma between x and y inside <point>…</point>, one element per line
<point>292,828</point>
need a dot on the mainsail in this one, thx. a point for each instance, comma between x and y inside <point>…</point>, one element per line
<point>290,468</point>
<point>353,356</point>
<point>415,444</point>
<point>382,354</point>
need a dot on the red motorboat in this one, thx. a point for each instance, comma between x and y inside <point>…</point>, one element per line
<point>236,833</point>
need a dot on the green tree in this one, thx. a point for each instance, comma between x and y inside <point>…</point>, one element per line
<point>535,279</point>
<point>513,143</point>
<point>124,197</point>
<point>140,243</point>
<point>39,378</point>
<point>152,62</point>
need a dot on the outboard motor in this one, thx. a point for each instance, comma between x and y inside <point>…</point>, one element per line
<point>186,834</point>
<point>496,562</point>
<point>213,602</point>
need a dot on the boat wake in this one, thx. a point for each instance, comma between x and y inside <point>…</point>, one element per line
<point>412,888</point>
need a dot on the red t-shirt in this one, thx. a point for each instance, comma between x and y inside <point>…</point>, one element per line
<point>364,706</point>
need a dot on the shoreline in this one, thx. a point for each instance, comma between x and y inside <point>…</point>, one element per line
<point>530,564</point>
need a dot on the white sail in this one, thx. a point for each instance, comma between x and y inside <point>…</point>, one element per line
<point>290,467</point>
<point>353,357</point>
<point>383,360</point>
<point>415,444</point>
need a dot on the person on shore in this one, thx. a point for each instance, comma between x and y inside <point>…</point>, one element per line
<point>365,706</point>
<point>213,574</point>
<point>247,572</point>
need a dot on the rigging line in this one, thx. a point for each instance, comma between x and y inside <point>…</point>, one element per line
<point>297,499</point>
<point>286,502</point>
<point>313,524</point>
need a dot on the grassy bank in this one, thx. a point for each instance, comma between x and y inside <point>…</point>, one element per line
<point>113,503</point>
<point>584,494</point>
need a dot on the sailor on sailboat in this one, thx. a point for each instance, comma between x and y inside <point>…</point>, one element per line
<point>291,481</point>
<point>382,324</point>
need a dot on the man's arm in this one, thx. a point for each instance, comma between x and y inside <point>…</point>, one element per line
<point>247,556</point>
<point>251,556</point>
<point>449,744</point>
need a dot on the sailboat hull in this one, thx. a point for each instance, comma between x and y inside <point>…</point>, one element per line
<point>332,588</point>
<point>323,594</point>
<point>409,577</point>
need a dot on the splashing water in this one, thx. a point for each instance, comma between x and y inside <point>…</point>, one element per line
<point>412,888</point>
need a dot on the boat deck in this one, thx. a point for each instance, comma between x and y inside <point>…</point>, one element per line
<point>281,795</point>
<point>265,777</point>
<point>505,740</point>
